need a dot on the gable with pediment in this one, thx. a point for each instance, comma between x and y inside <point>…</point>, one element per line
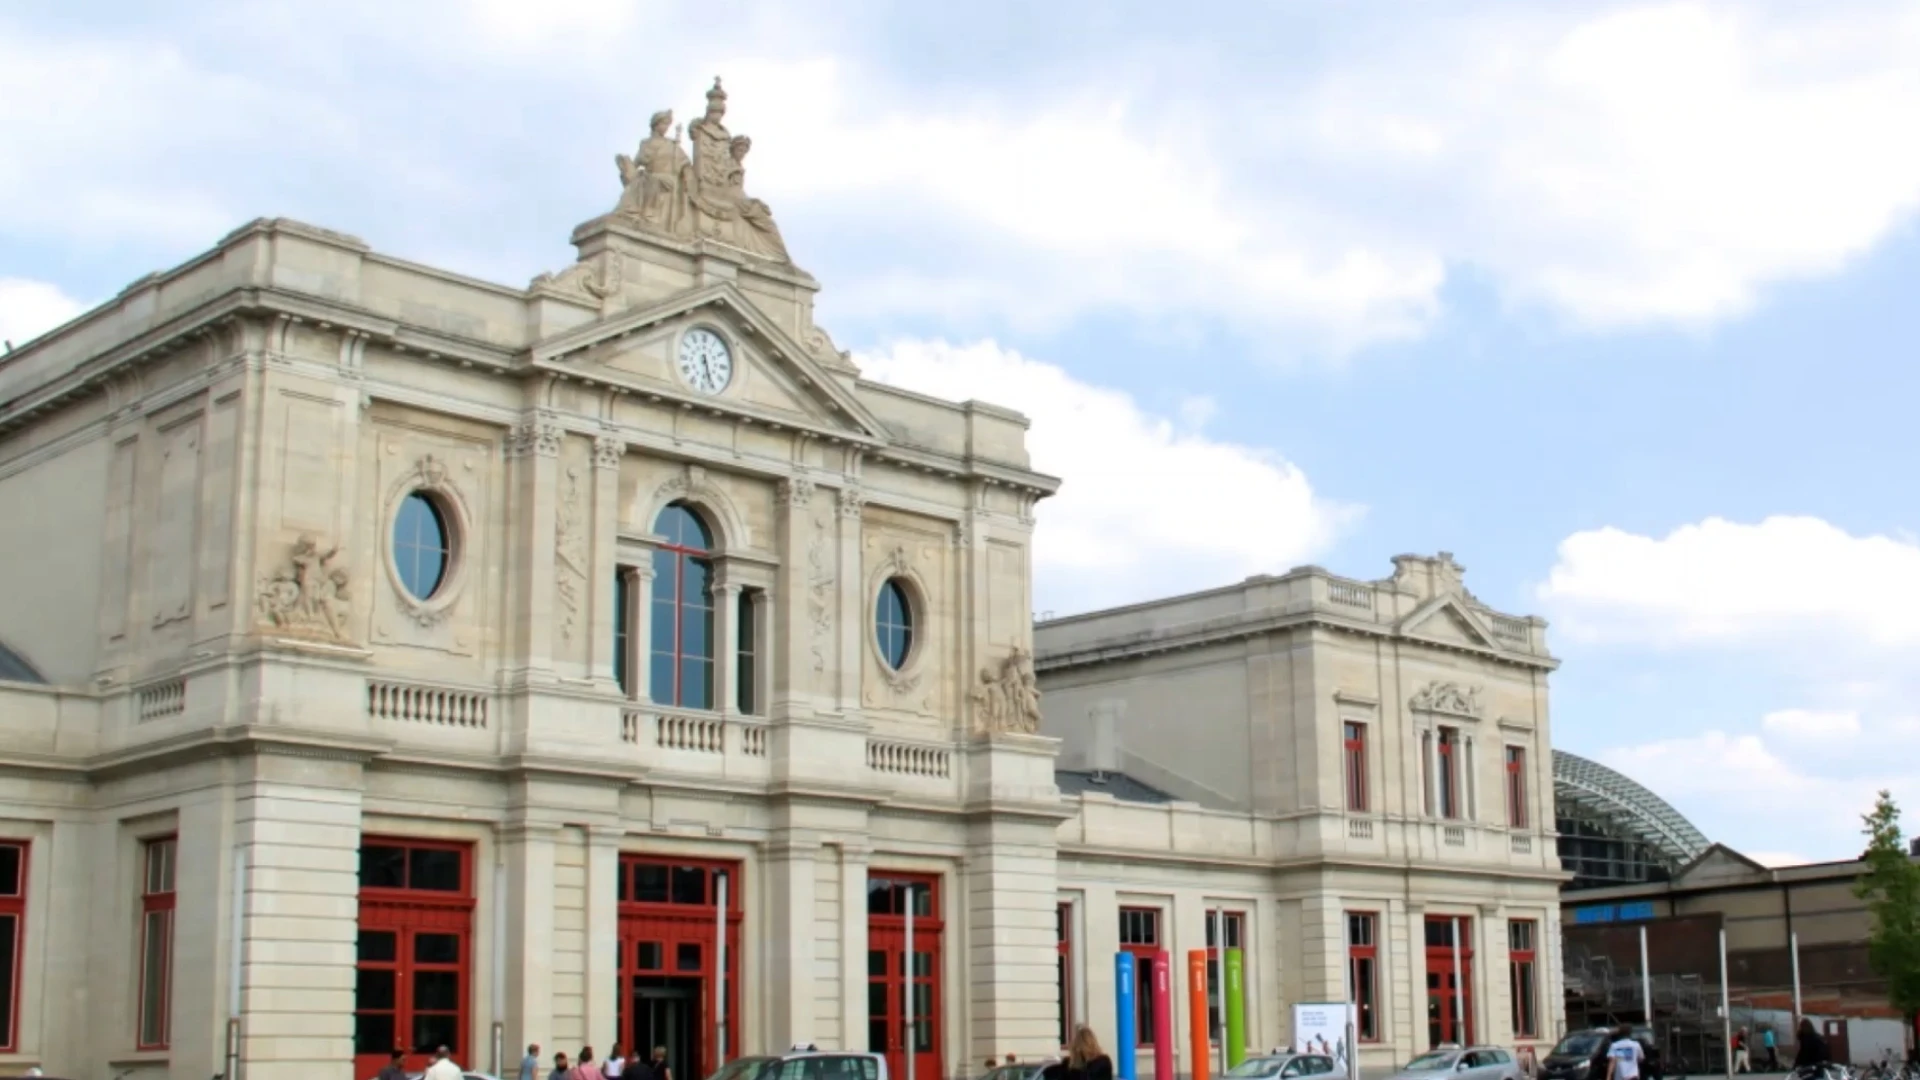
<point>1718,863</point>
<point>1446,621</point>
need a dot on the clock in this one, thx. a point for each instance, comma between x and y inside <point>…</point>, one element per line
<point>705,361</point>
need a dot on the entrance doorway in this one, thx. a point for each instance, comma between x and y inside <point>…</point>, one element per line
<point>414,959</point>
<point>670,918</point>
<point>896,1018</point>
<point>1449,980</point>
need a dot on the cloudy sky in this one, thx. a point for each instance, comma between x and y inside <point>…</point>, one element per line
<point>1613,301</point>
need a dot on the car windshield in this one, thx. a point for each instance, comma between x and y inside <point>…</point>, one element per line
<point>1432,1062</point>
<point>1580,1044</point>
<point>1260,1066</point>
<point>745,1068</point>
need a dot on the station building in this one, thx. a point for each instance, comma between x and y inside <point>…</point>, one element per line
<point>393,658</point>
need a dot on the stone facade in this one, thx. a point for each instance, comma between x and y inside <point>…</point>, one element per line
<point>1333,748</point>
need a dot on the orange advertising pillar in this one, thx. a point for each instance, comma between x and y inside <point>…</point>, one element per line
<point>1199,1024</point>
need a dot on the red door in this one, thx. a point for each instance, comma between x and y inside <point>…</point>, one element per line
<point>669,959</point>
<point>415,956</point>
<point>899,1018</point>
<point>1449,990</point>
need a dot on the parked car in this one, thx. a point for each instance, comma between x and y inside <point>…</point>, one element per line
<point>1019,1070</point>
<point>1582,1055</point>
<point>1463,1063</point>
<point>805,1063</point>
<point>1281,1065</point>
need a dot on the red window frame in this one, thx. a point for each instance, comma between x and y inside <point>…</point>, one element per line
<point>1356,765</point>
<point>1233,927</point>
<point>670,574</point>
<point>158,860</point>
<point>886,943</point>
<point>1448,800</point>
<point>1446,985</point>
<point>1363,944</point>
<point>1143,953</point>
<point>14,905</point>
<point>1523,974</point>
<point>406,911</point>
<point>1517,787</point>
<point>1063,951</point>
<point>668,924</point>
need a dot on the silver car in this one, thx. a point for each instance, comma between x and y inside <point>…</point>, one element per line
<point>1463,1063</point>
<point>1281,1066</point>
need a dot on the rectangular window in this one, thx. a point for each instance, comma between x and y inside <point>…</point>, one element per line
<point>1356,757</point>
<point>1363,973</point>
<point>13,918</point>
<point>156,942</point>
<point>1140,935</point>
<point>1449,766</point>
<point>1523,973</point>
<point>1517,787</point>
<point>622,613</point>
<point>1063,951</point>
<point>748,671</point>
<point>1233,927</point>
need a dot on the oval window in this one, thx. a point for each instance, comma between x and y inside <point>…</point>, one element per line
<point>893,622</point>
<point>420,546</point>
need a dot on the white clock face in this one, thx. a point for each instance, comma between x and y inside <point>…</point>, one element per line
<point>704,361</point>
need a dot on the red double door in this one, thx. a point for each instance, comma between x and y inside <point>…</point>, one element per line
<point>671,987</point>
<point>903,988</point>
<point>415,953</point>
<point>1449,980</point>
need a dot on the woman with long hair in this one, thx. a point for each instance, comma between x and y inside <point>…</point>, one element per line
<point>1085,1059</point>
<point>1812,1050</point>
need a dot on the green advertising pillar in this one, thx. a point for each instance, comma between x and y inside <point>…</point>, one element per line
<point>1236,1036</point>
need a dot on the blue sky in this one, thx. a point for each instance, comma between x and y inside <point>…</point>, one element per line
<point>1613,301</point>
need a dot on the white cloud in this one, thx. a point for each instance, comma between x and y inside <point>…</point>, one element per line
<point>1784,580</point>
<point>31,308</point>
<point>1101,540</point>
<point>1811,724</point>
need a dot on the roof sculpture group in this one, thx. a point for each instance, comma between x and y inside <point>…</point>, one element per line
<point>665,190</point>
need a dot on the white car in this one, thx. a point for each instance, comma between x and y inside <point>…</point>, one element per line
<point>805,1063</point>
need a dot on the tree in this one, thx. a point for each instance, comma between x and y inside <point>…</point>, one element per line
<point>1891,887</point>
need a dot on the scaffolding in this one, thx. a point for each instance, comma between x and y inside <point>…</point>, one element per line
<point>1685,1027</point>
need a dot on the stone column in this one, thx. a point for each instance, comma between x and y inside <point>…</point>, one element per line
<point>602,542</point>
<point>796,661</point>
<point>603,933</point>
<point>529,851</point>
<point>853,946</point>
<point>203,933</point>
<point>1011,973</point>
<point>726,607</point>
<point>788,941</point>
<point>533,448</point>
<point>763,610</point>
<point>852,602</point>
<point>640,629</point>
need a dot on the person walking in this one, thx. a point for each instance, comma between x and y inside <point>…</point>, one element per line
<point>615,1064</point>
<point>530,1065</point>
<point>660,1069</point>
<point>1741,1063</point>
<point>561,1070</point>
<point>1773,1051</point>
<point>1085,1059</point>
<point>583,1066</point>
<point>443,1067</point>
<point>1812,1050</point>
<point>395,1068</point>
<point>1623,1055</point>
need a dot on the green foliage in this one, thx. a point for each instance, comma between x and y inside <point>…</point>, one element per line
<point>1890,885</point>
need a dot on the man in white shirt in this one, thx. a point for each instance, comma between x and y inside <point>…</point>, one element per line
<point>1623,1056</point>
<point>616,1063</point>
<point>443,1067</point>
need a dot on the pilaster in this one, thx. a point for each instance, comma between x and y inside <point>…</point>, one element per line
<point>603,546</point>
<point>603,933</point>
<point>853,601</point>
<point>533,452</point>
<point>529,852</point>
<point>799,654</point>
<point>726,648</point>
<point>1012,890</point>
<point>853,947</point>
<point>640,628</point>
<point>790,936</point>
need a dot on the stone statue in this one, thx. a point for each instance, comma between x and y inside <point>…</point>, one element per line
<point>308,593</point>
<point>1008,697</point>
<point>652,180</point>
<point>759,234</point>
<point>1448,697</point>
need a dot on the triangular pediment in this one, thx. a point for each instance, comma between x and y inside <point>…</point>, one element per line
<point>1445,620</point>
<point>774,381</point>
<point>1718,863</point>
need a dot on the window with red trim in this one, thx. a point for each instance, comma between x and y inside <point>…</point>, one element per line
<point>1447,803</point>
<point>156,942</point>
<point>1063,954</point>
<point>1363,973</point>
<point>682,631</point>
<point>1356,757</point>
<point>1517,787</point>
<point>1140,935</point>
<point>13,921</point>
<point>1233,927</point>
<point>1523,975</point>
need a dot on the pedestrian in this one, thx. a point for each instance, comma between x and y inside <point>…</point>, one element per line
<point>1085,1059</point>
<point>660,1069</point>
<point>1623,1056</point>
<point>443,1067</point>
<point>1740,1061</point>
<point>1812,1051</point>
<point>561,1070</point>
<point>583,1066</point>
<point>1011,1059</point>
<point>615,1064</point>
<point>1773,1051</point>
<point>394,1069</point>
<point>530,1065</point>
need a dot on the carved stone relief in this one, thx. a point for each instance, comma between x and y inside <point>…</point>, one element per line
<point>308,593</point>
<point>537,436</point>
<point>851,502</point>
<point>820,593</point>
<point>1454,699</point>
<point>796,492</point>
<point>583,280</point>
<point>569,552</point>
<point>607,452</point>
<point>1008,697</point>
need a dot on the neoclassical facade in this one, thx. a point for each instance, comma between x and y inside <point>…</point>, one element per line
<point>1361,767</point>
<point>391,658</point>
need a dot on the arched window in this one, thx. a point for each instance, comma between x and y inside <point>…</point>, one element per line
<point>682,631</point>
<point>893,623</point>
